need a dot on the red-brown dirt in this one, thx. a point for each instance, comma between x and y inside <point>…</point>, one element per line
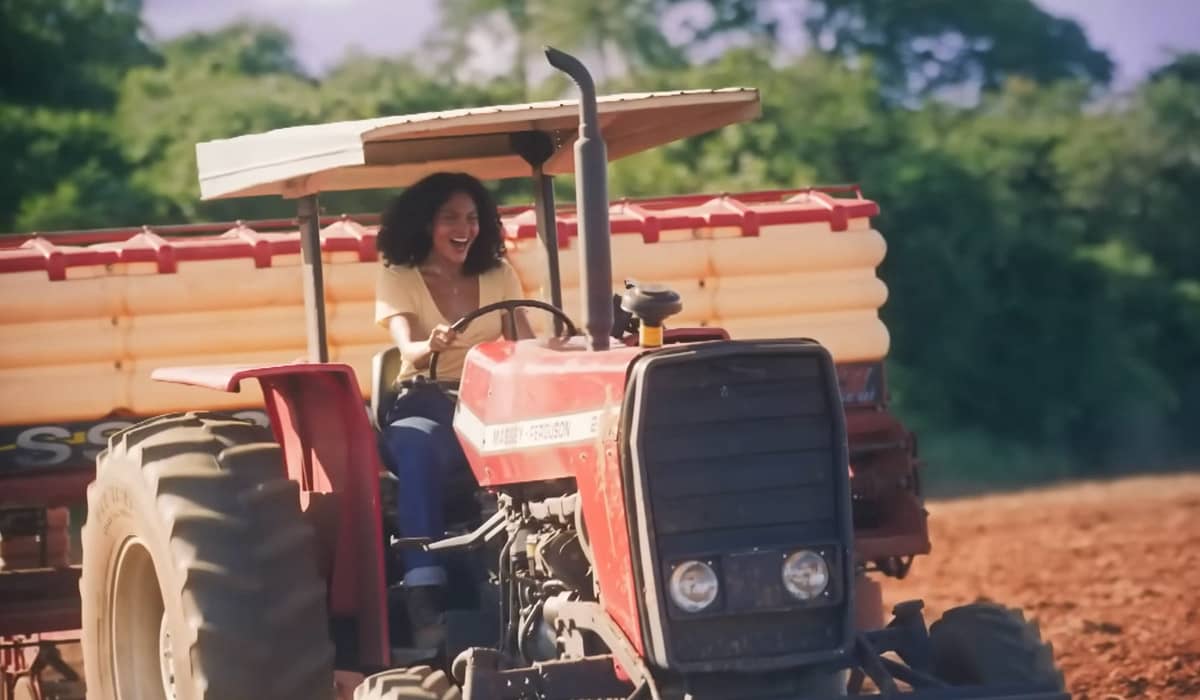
<point>1110,571</point>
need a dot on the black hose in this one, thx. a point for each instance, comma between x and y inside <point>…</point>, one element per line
<point>527,627</point>
<point>581,529</point>
<point>503,579</point>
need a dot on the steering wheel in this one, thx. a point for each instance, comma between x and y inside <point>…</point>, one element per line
<point>509,305</point>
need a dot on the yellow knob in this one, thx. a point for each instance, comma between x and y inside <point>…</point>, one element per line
<point>650,336</point>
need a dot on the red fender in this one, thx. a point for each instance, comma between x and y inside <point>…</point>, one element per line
<point>320,420</point>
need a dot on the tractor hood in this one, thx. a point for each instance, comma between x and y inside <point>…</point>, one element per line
<point>396,151</point>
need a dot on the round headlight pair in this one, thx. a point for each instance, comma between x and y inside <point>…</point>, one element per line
<point>694,584</point>
<point>805,574</point>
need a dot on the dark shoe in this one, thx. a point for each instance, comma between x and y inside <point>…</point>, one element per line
<point>425,606</point>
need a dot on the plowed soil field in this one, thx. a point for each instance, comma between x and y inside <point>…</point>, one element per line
<point>1110,571</point>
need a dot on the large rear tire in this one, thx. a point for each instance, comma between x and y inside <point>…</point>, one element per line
<point>417,683</point>
<point>985,643</point>
<point>199,576</point>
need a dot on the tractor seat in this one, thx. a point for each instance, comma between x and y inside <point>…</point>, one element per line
<point>385,366</point>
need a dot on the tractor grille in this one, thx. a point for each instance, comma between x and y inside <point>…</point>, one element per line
<point>740,454</point>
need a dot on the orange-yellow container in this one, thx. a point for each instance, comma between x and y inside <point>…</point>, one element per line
<point>83,326</point>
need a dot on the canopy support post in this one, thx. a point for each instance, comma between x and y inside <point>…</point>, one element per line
<point>309,213</point>
<point>547,226</point>
<point>536,147</point>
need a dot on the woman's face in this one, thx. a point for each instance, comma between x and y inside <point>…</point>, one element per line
<point>455,227</point>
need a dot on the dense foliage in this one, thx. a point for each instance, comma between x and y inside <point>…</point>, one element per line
<point>1044,270</point>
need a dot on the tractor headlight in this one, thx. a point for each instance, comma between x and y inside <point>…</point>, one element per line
<point>805,574</point>
<point>693,586</point>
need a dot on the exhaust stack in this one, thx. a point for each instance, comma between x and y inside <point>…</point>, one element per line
<point>591,200</point>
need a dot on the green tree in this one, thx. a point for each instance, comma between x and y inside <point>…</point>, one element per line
<point>245,79</point>
<point>1002,321</point>
<point>62,67</point>
<point>241,79</point>
<point>924,46</point>
<point>239,49</point>
<point>362,87</point>
<point>501,17</point>
<point>613,35</point>
<point>68,53</point>
<point>820,121</point>
<point>1184,67</point>
<point>1131,174</point>
<point>707,26</point>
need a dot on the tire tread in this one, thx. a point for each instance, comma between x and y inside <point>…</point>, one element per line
<point>250,589</point>
<point>416,683</point>
<point>985,642</point>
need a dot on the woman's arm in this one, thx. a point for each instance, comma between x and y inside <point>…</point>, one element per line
<point>415,351</point>
<point>418,352</point>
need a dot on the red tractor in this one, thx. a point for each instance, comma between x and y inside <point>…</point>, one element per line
<point>656,513</point>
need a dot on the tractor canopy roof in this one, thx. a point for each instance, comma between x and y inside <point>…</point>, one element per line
<point>396,151</point>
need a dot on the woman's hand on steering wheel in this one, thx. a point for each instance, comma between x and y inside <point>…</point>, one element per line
<point>509,305</point>
<point>441,338</point>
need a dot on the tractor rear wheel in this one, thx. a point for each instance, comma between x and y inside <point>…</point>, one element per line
<point>417,683</point>
<point>199,576</point>
<point>984,643</point>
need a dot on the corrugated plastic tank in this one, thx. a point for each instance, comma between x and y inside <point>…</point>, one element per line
<point>83,326</point>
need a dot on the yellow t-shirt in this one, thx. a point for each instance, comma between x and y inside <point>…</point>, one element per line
<point>402,290</point>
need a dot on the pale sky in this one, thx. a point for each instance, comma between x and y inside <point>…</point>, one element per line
<point>1136,33</point>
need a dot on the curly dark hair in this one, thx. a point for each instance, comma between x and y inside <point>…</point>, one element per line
<point>405,236</point>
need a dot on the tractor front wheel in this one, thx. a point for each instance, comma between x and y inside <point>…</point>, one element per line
<point>199,576</point>
<point>985,643</point>
<point>417,683</point>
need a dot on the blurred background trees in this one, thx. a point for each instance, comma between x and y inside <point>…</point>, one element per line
<point>1043,266</point>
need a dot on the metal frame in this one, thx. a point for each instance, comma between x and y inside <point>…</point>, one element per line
<point>592,676</point>
<point>308,211</point>
<point>536,148</point>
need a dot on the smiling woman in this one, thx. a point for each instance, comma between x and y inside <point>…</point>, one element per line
<point>443,258</point>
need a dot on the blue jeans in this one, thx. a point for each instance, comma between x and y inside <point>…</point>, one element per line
<point>422,451</point>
